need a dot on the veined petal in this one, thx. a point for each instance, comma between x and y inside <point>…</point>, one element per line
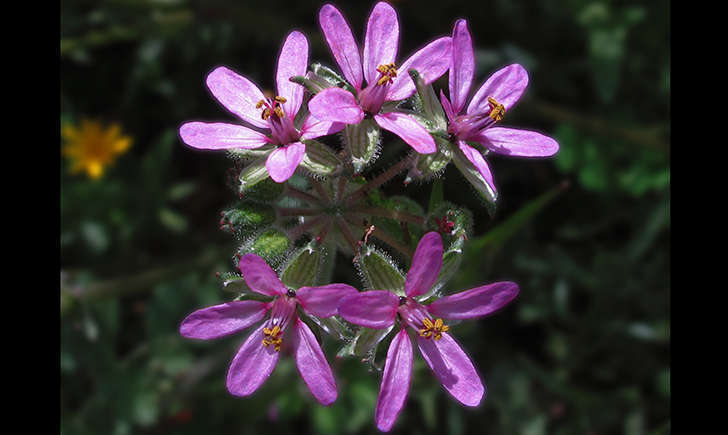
<point>341,42</point>
<point>453,368</point>
<point>381,40</point>
<point>323,301</point>
<point>395,381</point>
<point>505,85</point>
<point>431,61</point>
<point>336,105</point>
<point>219,136</point>
<point>313,127</point>
<point>221,320</point>
<point>238,94</point>
<point>292,61</point>
<point>409,130</point>
<point>447,106</point>
<point>463,65</point>
<point>283,161</point>
<point>479,162</point>
<point>520,143</point>
<point>259,276</point>
<point>312,365</point>
<point>252,365</point>
<point>476,302</point>
<point>426,264</point>
<point>374,309</point>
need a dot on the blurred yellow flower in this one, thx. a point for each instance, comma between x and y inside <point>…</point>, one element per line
<point>91,147</point>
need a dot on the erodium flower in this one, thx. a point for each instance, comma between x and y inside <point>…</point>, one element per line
<point>92,148</point>
<point>496,96</point>
<point>258,356</point>
<point>383,80</point>
<point>274,116</point>
<point>379,309</point>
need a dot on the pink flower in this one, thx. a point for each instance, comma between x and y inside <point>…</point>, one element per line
<point>380,309</point>
<point>494,98</point>
<point>258,356</point>
<point>385,82</point>
<point>274,116</point>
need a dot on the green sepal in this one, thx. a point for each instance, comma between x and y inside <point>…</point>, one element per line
<point>271,245</point>
<point>251,175</point>
<point>378,271</point>
<point>320,159</point>
<point>303,266</point>
<point>331,77</point>
<point>241,153</point>
<point>334,327</point>
<point>365,342</point>
<point>311,82</point>
<point>248,216</point>
<point>428,101</point>
<point>471,173</point>
<point>266,191</point>
<point>363,141</point>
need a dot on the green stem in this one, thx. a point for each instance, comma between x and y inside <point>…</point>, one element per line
<point>381,179</point>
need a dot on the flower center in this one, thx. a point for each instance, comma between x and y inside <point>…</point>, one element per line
<point>388,72</point>
<point>497,110</point>
<point>433,329</point>
<point>272,107</point>
<point>273,336</point>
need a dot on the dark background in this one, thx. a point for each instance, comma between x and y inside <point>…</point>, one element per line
<point>585,349</point>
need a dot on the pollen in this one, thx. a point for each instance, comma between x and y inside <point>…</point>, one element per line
<point>272,107</point>
<point>433,329</point>
<point>497,110</point>
<point>273,337</point>
<point>388,72</point>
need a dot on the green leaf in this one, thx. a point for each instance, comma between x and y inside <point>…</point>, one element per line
<point>363,141</point>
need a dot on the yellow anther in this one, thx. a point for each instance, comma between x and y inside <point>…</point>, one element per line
<point>260,104</point>
<point>388,71</point>
<point>266,114</point>
<point>433,329</point>
<point>497,111</point>
<point>280,99</point>
<point>273,336</point>
<point>278,111</point>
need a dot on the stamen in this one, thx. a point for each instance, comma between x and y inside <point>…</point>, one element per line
<point>273,336</point>
<point>271,107</point>
<point>388,72</point>
<point>260,104</point>
<point>497,111</point>
<point>433,329</point>
<point>280,99</point>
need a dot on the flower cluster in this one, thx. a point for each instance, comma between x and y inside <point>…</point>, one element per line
<point>291,232</point>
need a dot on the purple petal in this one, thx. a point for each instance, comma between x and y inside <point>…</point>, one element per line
<point>409,130</point>
<point>453,368</point>
<point>219,136</point>
<point>505,85</point>
<point>395,381</point>
<point>323,301</point>
<point>463,65</point>
<point>312,365</point>
<point>479,162</point>
<point>426,265</point>
<point>221,320</point>
<point>313,127</point>
<point>292,61</point>
<point>283,161</point>
<point>447,106</point>
<point>336,105</point>
<point>381,40</point>
<point>374,309</point>
<point>476,302</point>
<point>432,61</point>
<point>251,366</point>
<point>521,143</point>
<point>238,94</point>
<point>341,42</point>
<point>260,277</point>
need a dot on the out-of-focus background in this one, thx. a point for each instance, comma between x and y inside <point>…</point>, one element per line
<point>585,349</point>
